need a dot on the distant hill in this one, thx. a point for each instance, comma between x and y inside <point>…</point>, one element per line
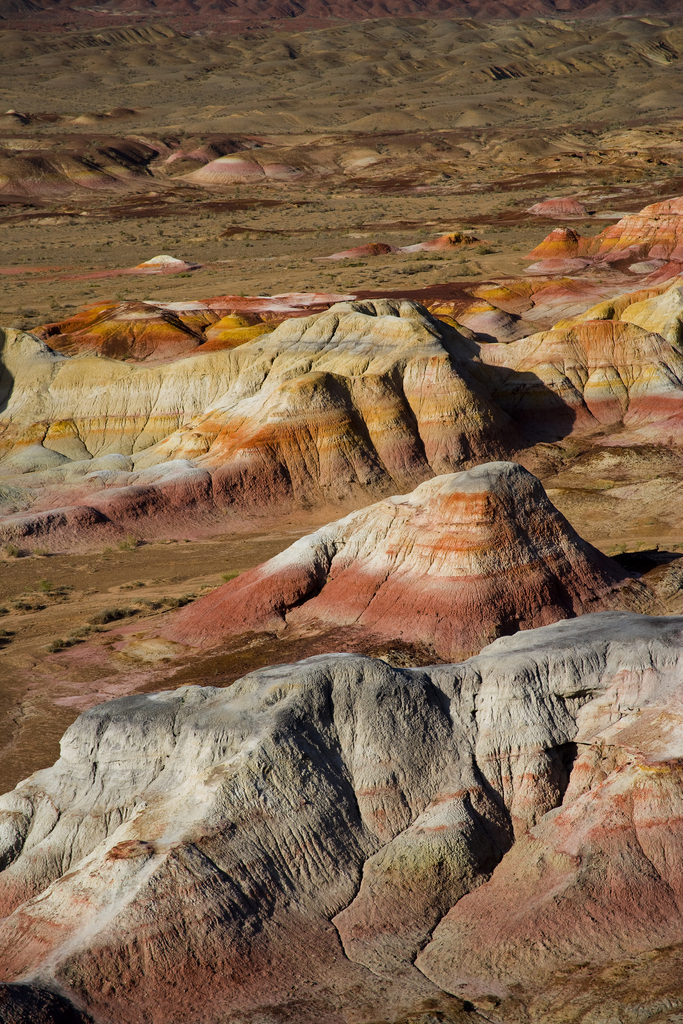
<point>254,12</point>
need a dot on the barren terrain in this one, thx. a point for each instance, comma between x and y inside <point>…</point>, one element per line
<point>395,131</point>
<point>351,332</point>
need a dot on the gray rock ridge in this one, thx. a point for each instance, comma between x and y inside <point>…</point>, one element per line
<point>288,845</point>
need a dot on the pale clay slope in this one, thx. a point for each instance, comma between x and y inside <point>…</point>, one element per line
<point>222,829</point>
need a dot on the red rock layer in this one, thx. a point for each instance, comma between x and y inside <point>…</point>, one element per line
<point>589,375</point>
<point>159,332</point>
<point>462,559</point>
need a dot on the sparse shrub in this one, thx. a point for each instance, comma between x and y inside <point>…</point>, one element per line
<point>227,576</point>
<point>46,586</point>
<point>28,604</point>
<point>5,637</point>
<point>41,552</point>
<point>133,585</point>
<point>483,250</point>
<point>12,551</point>
<point>111,615</point>
<point>4,610</point>
<point>129,544</point>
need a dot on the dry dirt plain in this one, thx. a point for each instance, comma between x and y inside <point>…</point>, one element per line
<point>398,130</point>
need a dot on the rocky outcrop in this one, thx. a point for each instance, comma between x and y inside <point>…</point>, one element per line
<point>561,243</point>
<point>597,374</point>
<point>341,840</point>
<point>364,399</point>
<point>656,233</point>
<point>151,332</point>
<point>346,405</point>
<point>461,560</point>
<point>658,310</point>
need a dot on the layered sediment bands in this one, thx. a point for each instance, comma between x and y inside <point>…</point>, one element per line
<point>658,309</point>
<point>288,846</point>
<point>147,332</point>
<point>363,399</point>
<point>655,233</point>
<point>562,208</point>
<point>460,561</point>
<point>603,376</point>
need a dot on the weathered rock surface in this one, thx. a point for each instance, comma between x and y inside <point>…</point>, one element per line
<point>655,233</point>
<point>463,559</point>
<point>286,848</point>
<point>152,332</point>
<point>345,405</point>
<point>609,369</point>
<point>365,398</point>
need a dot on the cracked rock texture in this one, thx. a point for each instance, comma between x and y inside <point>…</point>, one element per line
<point>343,841</point>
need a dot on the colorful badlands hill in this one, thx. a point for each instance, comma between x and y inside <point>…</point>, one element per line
<point>365,399</point>
<point>339,840</point>
<point>461,560</point>
<point>649,241</point>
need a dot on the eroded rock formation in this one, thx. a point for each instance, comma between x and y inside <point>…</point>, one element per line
<point>360,400</point>
<point>334,840</point>
<point>365,398</point>
<point>461,560</point>
<point>655,233</point>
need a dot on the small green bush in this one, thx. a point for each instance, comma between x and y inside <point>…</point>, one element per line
<point>129,544</point>
<point>111,615</point>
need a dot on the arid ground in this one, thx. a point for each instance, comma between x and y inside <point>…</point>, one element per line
<point>396,131</point>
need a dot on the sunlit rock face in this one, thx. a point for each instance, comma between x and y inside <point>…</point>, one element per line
<point>608,368</point>
<point>462,559</point>
<point>342,840</point>
<point>363,399</point>
<point>326,411</point>
<point>655,233</point>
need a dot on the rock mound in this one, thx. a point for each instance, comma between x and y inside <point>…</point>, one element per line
<point>597,375</point>
<point>463,559</point>
<point>166,265</point>
<point>285,848</point>
<point>563,208</point>
<point>369,249</point>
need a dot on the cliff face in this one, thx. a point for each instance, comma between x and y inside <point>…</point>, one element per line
<point>457,562</point>
<point>286,848</point>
